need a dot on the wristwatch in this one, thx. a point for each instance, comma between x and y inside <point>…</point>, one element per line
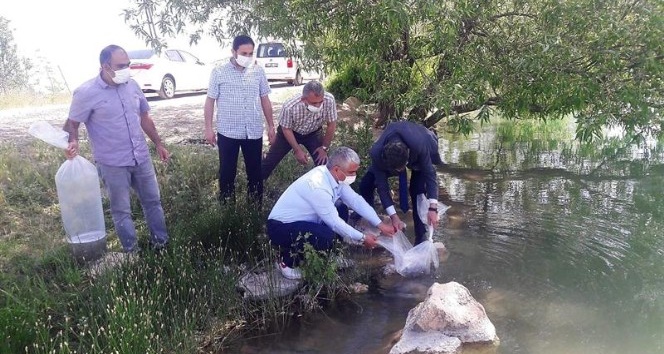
<point>362,239</point>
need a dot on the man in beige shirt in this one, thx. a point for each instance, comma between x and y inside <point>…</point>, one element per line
<point>301,122</point>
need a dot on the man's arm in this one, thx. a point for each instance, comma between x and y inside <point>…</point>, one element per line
<point>322,204</point>
<point>147,124</point>
<point>71,127</point>
<point>300,156</point>
<point>321,152</point>
<point>329,134</point>
<point>269,118</point>
<point>208,110</point>
<point>383,188</point>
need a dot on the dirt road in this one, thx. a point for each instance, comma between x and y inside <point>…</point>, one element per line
<point>179,120</point>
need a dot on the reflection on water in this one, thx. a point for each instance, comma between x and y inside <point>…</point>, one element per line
<point>563,244</point>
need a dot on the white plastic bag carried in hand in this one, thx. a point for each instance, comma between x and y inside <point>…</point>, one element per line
<point>413,261</point>
<point>77,183</point>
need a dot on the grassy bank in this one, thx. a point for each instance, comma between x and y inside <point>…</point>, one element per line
<point>182,301</point>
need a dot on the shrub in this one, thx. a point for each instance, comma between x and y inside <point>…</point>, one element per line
<point>349,81</point>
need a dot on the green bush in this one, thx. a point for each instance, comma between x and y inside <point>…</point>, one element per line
<point>348,82</point>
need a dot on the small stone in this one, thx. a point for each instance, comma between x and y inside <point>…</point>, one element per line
<point>358,288</point>
<point>268,284</point>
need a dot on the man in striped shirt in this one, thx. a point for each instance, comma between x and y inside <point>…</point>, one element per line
<point>240,91</point>
<point>301,122</point>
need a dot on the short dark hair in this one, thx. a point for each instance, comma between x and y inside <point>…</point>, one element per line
<point>242,40</point>
<point>107,52</point>
<point>395,155</point>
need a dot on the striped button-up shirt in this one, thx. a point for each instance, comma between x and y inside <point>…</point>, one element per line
<point>112,116</point>
<point>237,93</point>
<point>295,115</point>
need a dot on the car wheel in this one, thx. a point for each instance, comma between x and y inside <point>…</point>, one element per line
<point>167,87</point>
<point>298,79</point>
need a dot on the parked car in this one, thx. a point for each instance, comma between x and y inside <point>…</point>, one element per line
<point>168,73</point>
<point>280,66</point>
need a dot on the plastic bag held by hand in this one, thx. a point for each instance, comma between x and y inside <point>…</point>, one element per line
<point>410,261</point>
<point>77,184</point>
<point>50,134</point>
<point>423,210</point>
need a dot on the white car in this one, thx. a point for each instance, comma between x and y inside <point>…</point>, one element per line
<point>170,72</point>
<point>279,66</point>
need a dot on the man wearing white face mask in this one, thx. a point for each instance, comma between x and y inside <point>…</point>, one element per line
<point>240,90</point>
<point>306,211</point>
<point>116,114</point>
<point>301,122</point>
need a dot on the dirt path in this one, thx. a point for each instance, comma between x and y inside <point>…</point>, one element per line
<point>179,120</point>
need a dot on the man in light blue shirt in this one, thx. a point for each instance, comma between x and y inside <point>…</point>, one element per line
<point>116,114</point>
<point>240,91</point>
<point>306,211</point>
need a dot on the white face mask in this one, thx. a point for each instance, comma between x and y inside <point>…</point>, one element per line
<point>244,61</point>
<point>314,109</point>
<point>349,180</point>
<point>121,76</point>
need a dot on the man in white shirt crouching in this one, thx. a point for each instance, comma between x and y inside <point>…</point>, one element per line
<point>306,211</point>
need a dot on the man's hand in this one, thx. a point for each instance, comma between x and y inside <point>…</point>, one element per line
<point>397,224</point>
<point>370,241</point>
<point>210,137</point>
<point>300,156</point>
<point>432,218</point>
<point>321,156</point>
<point>72,149</point>
<point>387,228</point>
<point>271,135</point>
<point>164,155</point>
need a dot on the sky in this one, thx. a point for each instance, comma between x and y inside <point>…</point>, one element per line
<point>71,33</point>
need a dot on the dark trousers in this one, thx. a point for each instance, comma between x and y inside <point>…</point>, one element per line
<point>290,237</point>
<point>281,147</point>
<point>416,186</point>
<point>229,150</point>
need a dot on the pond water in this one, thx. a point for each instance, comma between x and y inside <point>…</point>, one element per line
<point>562,243</point>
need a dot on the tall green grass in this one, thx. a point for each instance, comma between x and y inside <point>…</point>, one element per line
<point>182,301</point>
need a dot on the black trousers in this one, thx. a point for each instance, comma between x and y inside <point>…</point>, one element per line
<point>290,237</point>
<point>416,186</point>
<point>281,147</point>
<point>229,150</point>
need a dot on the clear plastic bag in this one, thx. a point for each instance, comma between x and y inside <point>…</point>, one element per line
<point>78,187</point>
<point>412,261</point>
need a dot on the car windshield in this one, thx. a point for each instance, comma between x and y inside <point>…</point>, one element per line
<point>140,54</point>
<point>271,50</point>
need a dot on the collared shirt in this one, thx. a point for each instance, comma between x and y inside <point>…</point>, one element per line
<point>238,93</point>
<point>312,198</point>
<point>112,117</point>
<point>295,115</point>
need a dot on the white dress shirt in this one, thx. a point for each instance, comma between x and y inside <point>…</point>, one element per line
<point>312,198</point>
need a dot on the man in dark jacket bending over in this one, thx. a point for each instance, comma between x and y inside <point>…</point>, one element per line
<point>404,144</point>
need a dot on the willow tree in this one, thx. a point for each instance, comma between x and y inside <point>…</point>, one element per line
<point>427,60</point>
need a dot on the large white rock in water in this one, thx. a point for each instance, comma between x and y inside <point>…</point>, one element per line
<point>448,317</point>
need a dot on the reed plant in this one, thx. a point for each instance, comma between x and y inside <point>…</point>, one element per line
<point>183,300</point>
